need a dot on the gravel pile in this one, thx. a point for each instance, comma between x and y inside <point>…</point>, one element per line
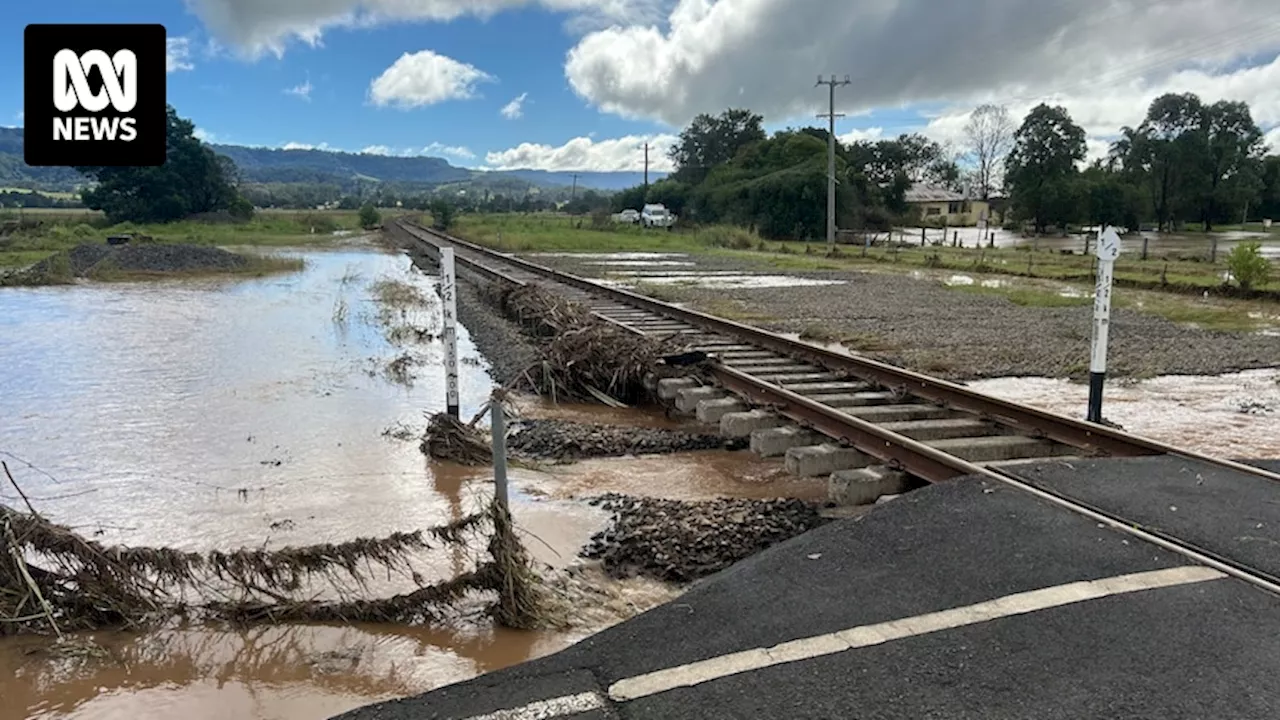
<point>566,440</point>
<point>681,542</point>
<point>82,260</point>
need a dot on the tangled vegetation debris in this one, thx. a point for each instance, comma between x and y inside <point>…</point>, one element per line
<point>53,579</point>
<point>584,357</point>
<point>448,438</point>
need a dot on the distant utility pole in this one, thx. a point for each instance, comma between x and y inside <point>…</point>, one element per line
<point>646,166</point>
<point>831,116</point>
<point>573,194</point>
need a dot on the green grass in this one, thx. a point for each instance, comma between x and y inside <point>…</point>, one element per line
<point>55,233</point>
<point>1027,297</point>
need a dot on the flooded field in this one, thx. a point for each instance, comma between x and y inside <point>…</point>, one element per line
<point>1234,416</point>
<point>218,414</point>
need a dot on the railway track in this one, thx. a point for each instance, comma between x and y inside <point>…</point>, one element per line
<point>868,412</point>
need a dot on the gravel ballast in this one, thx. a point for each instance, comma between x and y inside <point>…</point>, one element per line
<point>681,542</point>
<point>564,440</point>
<point>508,350</point>
<point>923,325</point>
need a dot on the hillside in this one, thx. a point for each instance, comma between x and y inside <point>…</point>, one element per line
<point>348,170</point>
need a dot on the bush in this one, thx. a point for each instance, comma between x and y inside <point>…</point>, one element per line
<point>1248,266</point>
<point>728,236</point>
<point>369,216</point>
<point>442,214</point>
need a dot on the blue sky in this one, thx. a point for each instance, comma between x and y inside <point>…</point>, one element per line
<point>600,77</point>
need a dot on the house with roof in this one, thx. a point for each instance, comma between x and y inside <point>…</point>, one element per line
<point>940,205</point>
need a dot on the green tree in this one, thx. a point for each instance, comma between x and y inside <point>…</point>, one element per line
<point>442,214</point>
<point>631,198</point>
<point>193,179</point>
<point>369,216</point>
<point>1041,168</point>
<point>1232,173</point>
<point>1270,205</point>
<point>712,140</point>
<point>671,193</point>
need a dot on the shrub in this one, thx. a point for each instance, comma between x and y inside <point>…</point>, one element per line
<point>1248,266</point>
<point>369,216</point>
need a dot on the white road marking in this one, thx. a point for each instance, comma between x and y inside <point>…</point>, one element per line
<point>552,708</point>
<point>696,673</point>
<point>867,635</point>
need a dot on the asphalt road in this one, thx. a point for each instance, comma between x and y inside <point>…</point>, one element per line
<point>922,586</point>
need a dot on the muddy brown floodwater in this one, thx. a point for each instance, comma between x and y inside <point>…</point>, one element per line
<point>217,414</point>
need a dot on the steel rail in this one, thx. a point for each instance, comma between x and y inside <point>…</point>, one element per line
<point>1094,439</point>
<point>931,464</point>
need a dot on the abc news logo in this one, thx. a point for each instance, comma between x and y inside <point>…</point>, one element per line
<point>95,95</point>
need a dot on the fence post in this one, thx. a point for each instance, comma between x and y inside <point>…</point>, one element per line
<point>1213,250</point>
<point>923,235</point>
<point>498,428</point>
<point>1145,241</point>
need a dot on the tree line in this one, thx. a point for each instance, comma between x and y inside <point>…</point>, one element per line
<point>1187,162</point>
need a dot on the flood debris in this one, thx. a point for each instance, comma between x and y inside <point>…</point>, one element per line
<point>564,440</point>
<point>54,580</point>
<point>680,542</point>
<point>584,358</point>
<point>448,438</point>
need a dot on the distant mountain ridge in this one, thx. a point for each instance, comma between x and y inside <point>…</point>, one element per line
<point>275,165</point>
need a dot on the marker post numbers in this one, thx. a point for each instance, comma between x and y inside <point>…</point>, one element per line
<point>1107,252</point>
<point>449,299</point>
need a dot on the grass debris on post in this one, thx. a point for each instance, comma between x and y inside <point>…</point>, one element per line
<point>520,602</point>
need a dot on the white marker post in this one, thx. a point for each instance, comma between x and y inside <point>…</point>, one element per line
<point>449,298</point>
<point>1107,252</point>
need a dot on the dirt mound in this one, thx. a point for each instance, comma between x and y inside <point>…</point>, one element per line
<point>91,260</point>
<point>684,541</point>
<point>566,440</point>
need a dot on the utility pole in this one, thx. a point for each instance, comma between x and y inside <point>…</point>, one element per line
<point>573,194</point>
<point>646,167</point>
<point>831,116</point>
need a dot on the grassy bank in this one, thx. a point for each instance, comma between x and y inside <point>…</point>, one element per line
<point>41,234</point>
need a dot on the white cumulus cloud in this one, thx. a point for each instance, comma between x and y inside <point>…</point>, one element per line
<point>302,90</point>
<point>586,154</point>
<point>448,151</point>
<point>258,26</point>
<point>204,135</point>
<point>860,134</point>
<point>305,146</point>
<point>514,109</point>
<point>1273,139</point>
<point>1104,109</point>
<point>177,54</point>
<point>377,150</point>
<point>766,54</point>
<point>425,78</point>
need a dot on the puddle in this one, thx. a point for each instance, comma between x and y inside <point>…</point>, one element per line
<point>1233,416</point>
<point>703,475</point>
<point>725,282</point>
<point>967,281</point>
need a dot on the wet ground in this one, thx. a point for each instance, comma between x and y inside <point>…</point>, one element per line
<point>220,414</point>
<point>1235,415</point>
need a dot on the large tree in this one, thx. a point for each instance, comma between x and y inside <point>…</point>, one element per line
<point>989,138</point>
<point>1040,170</point>
<point>1232,170</point>
<point>712,140</point>
<point>193,179</point>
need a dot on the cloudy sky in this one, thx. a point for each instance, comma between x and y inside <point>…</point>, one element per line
<point>582,84</point>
